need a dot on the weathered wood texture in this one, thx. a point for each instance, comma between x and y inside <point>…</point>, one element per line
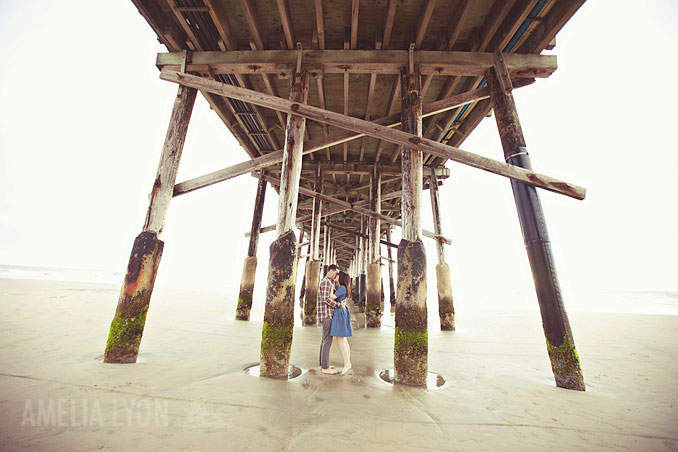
<point>358,209</point>
<point>560,342</point>
<point>435,208</point>
<point>398,137</point>
<point>291,164</point>
<point>256,217</point>
<point>283,62</point>
<point>391,285</point>
<point>163,185</point>
<point>249,273</point>
<point>317,209</point>
<point>411,159</point>
<point>317,144</point>
<point>375,223</point>
<point>127,325</point>
<point>276,336</point>
<point>373,297</point>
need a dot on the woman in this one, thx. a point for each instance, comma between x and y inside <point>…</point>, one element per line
<point>341,321</point>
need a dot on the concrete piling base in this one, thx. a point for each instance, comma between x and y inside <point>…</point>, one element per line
<point>249,272</point>
<point>373,298</point>
<point>363,292</point>
<point>445,301</point>
<point>410,352</point>
<point>276,333</point>
<point>311,298</point>
<point>127,326</point>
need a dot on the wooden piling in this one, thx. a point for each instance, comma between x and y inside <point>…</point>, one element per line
<point>314,265</point>
<point>373,297</point>
<point>276,335</point>
<point>249,270</point>
<point>311,299</point>
<point>128,323</point>
<point>411,335</point>
<point>444,284</point>
<point>559,339</point>
<point>391,285</point>
<point>362,282</point>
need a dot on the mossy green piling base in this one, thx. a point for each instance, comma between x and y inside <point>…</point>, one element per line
<point>276,333</point>
<point>410,350</point>
<point>311,298</point>
<point>373,298</point>
<point>249,272</point>
<point>127,327</point>
<point>566,366</point>
<point>445,301</point>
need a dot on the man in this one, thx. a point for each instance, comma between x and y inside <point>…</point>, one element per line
<point>325,311</point>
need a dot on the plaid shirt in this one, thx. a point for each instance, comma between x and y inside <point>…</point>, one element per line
<point>325,305</point>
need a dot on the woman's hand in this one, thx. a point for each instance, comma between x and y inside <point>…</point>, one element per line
<point>333,297</point>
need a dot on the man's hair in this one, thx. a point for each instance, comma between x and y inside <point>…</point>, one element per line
<point>332,267</point>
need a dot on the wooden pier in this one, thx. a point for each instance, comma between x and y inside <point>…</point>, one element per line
<point>350,111</point>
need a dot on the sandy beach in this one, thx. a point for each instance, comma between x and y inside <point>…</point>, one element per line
<point>189,391</point>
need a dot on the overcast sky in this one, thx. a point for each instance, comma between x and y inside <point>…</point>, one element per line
<point>83,117</point>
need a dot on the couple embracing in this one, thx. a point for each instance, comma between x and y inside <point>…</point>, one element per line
<point>335,318</point>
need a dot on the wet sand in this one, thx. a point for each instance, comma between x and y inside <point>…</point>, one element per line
<point>189,392</point>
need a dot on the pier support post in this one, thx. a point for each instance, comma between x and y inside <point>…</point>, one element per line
<point>445,301</point>
<point>363,266</point>
<point>372,309</point>
<point>313,266</point>
<point>391,285</point>
<point>373,298</point>
<point>302,290</point>
<point>249,270</point>
<point>411,335</point>
<point>276,334</point>
<point>311,300</point>
<point>559,339</point>
<point>128,323</point>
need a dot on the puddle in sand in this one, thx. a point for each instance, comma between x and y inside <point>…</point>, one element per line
<point>140,359</point>
<point>255,371</point>
<point>433,380</point>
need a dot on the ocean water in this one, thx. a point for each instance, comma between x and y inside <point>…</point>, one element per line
<point>618,301</point>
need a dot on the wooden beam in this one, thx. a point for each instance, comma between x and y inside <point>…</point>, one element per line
<point>388,25</point>
<point>424,20</point>
<point>283,62</point>
<point>353,207</point>
<point>390,108</point>
<point>291,164</point>
<point>355,9</point>
<point>250,10</point>
<point>320,22</point>
<point>161,194</point>
<point>256,218</point>
<point>357,234</point>
<point>274,158</point>
<point>378,131</point>
<point>317,208</point>
<point>363,169</point>
<point>221,22</point>
<point>182,21</point>
<point>375,206</point>
<point>411,157</point>
<point>554,21</point>
<point>286,21</point>
<point>435,208</point>
<point>457,22</point>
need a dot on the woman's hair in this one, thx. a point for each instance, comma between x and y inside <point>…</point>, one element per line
<point>344,280</point>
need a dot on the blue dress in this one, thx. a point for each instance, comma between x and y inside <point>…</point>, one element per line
<point>341,320</point>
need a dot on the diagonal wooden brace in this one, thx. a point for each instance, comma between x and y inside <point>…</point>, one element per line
<point>378,131</point>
